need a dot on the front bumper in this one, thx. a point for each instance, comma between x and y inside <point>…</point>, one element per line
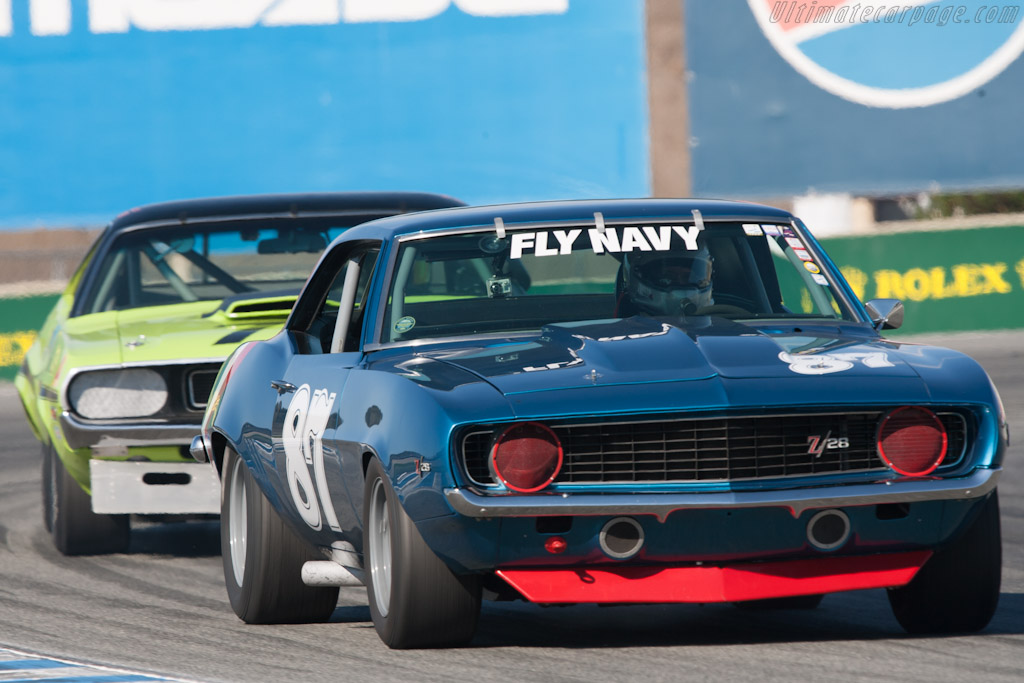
<point>114,435</point>
<point>470,503</point>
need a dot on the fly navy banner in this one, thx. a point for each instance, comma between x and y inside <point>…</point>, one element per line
<point>861,96</point>
<point>108,104</point>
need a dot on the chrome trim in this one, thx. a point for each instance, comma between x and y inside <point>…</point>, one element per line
<point>470,503</point>
<point>111,434</point>
<point>198,449</point>
<point>282,387</point>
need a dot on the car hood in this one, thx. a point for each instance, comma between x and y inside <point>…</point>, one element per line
<point>201,330</point>
<point>640,350</point>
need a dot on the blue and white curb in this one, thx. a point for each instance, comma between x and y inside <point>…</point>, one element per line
<point>20,666</point>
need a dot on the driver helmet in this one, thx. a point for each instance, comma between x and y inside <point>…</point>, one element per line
<point>668,283</point>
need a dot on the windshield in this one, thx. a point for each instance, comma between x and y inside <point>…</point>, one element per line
<point>476,283</point>
<point>208,262</point>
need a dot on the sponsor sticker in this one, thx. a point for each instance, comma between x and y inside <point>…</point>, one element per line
<point>752,229</point>
<point>811,267</point>
<point>405,324</point>
<point>820,279</point>
<point>772,230</point>
<point>623,240</point>
<point>803,255</point>
<point>794,242</point>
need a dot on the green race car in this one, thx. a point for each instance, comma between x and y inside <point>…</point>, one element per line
<point>116,384</point>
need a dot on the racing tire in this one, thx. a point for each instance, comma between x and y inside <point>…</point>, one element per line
<point>957,590</point>
<point>416,601</point>
<point>47,488</point>
<point>794,602</point>
<point>68,515</point>
<point>263,557</point>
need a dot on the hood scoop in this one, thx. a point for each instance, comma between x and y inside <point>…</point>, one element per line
<point>277,307</point>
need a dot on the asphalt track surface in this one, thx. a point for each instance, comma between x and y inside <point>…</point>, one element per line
<point>161,608</point>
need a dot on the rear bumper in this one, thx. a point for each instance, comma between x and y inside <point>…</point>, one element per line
<point>700,584</point>
<point>150,488</point>
<point>470,503</point>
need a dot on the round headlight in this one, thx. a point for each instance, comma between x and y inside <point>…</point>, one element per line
<point>912,440</point>
<point>527,457</point>
<point>105,394</point>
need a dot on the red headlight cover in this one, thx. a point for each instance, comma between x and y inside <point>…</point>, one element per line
<point>912,440</point>
<point>527,457</point>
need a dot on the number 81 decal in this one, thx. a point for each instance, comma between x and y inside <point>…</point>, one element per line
<point>304,425</point>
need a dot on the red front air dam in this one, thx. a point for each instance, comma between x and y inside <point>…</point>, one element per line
<point>753,581</point>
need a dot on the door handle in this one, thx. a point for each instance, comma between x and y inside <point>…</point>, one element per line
<point>282,386</point>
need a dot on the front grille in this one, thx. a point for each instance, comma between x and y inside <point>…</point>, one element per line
<point>712,449</point>
<point>200,384</point>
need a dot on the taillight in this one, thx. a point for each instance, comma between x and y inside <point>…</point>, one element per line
<point>526,457</point>
<point>912,440</point>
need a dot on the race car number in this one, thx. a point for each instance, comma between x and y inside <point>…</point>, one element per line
<point>304,424</point>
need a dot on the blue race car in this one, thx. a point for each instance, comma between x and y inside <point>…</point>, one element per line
<point>624,401</point>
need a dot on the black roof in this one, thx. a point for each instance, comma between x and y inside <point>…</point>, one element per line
<point>570,211</point>
<point>270,205</point>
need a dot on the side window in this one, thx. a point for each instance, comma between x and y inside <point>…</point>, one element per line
<point>343,305</point>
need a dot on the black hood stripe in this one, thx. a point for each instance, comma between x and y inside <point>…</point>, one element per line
<point>236,336</point>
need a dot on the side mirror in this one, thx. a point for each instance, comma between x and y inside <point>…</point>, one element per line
<point>886,314</point>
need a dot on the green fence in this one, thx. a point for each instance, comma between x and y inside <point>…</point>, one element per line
<point>950,280</point>
<point>20,318</point>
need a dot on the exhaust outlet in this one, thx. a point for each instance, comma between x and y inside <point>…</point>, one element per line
<point>621,538</point>
<point>828,529</point>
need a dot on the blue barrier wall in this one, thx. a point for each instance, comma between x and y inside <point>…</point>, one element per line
<point>892,97</point>
<point>109,104</point>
